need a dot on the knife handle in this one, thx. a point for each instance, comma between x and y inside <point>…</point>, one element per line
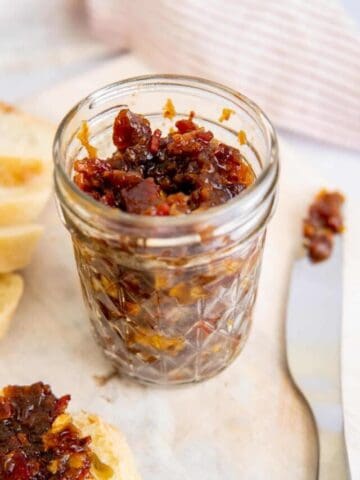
<point>333,459</point>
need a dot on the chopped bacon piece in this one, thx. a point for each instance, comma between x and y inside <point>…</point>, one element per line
<point>153,175</point>
<point>323,221</point>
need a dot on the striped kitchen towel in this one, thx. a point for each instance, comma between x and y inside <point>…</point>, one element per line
<point>298,59</point>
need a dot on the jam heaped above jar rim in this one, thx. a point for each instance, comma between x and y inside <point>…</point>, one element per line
<point>152,173</point>
<point>237,210</point>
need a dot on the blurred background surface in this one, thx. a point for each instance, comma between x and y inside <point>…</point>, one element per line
<point>299,60</point>
<point>42,43</point>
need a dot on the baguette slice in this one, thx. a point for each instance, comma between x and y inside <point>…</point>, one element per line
<point>11,289</point>
<point>17,244</point>
<point>22,207</point>
<point>25,165</point>
<point>113,459</point>
<point>25,136</point>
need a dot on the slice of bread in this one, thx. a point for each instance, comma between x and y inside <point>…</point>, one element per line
<point>17,244</point>
<point>24,136</point>
<point>25,165</point>
<point>22,206</point>
<point>11,289</point>
<point>113,459</point>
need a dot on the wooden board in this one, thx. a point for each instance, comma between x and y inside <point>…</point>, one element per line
<point>248,422</point>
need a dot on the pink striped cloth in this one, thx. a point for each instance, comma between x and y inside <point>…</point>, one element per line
<point>298,59</point>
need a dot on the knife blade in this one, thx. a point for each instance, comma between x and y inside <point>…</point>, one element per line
<point>313,338</point>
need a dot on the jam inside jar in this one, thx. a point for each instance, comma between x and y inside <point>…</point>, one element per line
<point>170,297</point>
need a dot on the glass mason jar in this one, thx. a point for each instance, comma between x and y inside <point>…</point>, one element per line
<point>170,298</point>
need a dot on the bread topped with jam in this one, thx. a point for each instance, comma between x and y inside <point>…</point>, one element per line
<point>40,440</point>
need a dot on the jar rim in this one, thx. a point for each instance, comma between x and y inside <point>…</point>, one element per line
<point>265,182</point>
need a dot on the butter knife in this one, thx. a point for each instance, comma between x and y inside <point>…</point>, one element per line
<point>313,338</point>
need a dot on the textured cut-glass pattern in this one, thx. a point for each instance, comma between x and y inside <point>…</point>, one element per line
<point>164,323</point>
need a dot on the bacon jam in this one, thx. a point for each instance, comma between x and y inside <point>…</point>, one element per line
<point>151,174</point>
<point>38,441</point>
<point>173,314</point>
<point>323,221</point>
